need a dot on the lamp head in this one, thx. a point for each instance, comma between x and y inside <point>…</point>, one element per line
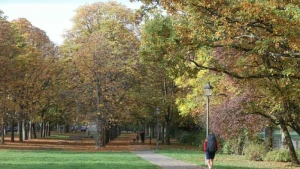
<point>208,89</point>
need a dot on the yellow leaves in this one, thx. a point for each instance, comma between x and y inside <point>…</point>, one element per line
<point>218,34</point>
<point>203,55</point>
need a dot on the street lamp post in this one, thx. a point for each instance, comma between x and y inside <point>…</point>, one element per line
<point>157,114</point>
<point>208,92</point>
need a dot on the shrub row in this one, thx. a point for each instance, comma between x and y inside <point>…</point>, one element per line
<point>258,152</point>
<point>255,151</point>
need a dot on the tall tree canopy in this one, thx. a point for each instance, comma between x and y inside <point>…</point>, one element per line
<point>27,70</point>
<point>254,42</point>
<point>102,46</point>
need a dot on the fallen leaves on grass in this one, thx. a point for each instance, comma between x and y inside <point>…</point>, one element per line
<point>82,143</point>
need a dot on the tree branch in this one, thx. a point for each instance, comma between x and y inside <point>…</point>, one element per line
<point>236,75</point>
<point>267,117</point>
<point>289,55</point>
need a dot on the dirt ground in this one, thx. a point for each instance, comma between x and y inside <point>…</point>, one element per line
<point>77,141</point>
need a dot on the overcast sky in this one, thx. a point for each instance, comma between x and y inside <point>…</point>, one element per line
<point>52,16</point>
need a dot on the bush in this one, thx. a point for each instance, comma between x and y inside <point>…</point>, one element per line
<point>278,155</point>
<point>186,138</point>
<point>255,151</point>
<point>233,147</point>
<point>236,145</point>
<point>228,148</point>
<point>195,138</point>
<point>199,140</point>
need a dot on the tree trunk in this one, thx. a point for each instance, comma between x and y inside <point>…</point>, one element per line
<point>152,131</point>
<point>289,143</point>
<point>20,131</point>
<point>107,137</point>
<point>67,128</point>
<point>58,128</point>
<point>49,131</point>
<point>113,132</point>
<point>5,130</point>
<point>270,137</point>
<point>29,130</point>
<point>42,128</point>
<point>119,131</point>
<point>26,130</point>
<point>46,129</point>
<point>64,128</point>
<point>97,137</point>
<point>150,134</point>
<point>163,134</point>
<point>33,131</point>
<point>12,136</point>
<point>168,119</point>
<point>103,133</point>
<point>2,131</point>
<point>23,130</point>
<point>99,128</point>
<point>38,127</point>
<point>168,139</point>
<point>170,109</point>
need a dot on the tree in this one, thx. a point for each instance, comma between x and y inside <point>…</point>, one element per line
<point>103,44</point>
<point>11,44</point>
<point>160,50</point>
<point>249,41</point>
<point>33,73</point>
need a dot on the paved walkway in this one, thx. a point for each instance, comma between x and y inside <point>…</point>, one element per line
<point>164,161</point>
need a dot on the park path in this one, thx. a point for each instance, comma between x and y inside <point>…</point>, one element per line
<point>144,151</point>
<point>164,161</point>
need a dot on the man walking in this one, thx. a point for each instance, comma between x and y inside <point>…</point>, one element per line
<point>210,149</point>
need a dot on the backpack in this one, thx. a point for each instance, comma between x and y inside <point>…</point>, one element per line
<point>211,146</point>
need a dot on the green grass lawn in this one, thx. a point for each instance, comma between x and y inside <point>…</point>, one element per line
<point>223,161</point>
<point>58,159</point>
<point>38,159</point>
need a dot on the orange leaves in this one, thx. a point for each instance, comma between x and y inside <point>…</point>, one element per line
<point>294,43</point>
<point>84,144</point>
<point>103,45</point>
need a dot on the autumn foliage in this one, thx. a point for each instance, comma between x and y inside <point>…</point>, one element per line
<point>117,66</point>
